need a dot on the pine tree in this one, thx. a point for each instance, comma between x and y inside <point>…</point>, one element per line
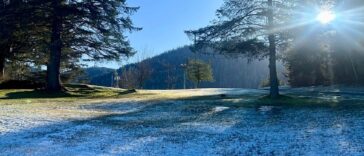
<point>13,41</point>
<point>249,28</point>
<point>91,29</point>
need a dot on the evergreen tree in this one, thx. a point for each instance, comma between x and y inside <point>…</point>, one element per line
<point>199,71</point>
<point>250,28</point>
<point>91,29</point>
<point>308,65</point>
<point>347,45</point>
<point>13,39</point>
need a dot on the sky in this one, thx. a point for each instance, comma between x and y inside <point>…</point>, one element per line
<point>164,23</point>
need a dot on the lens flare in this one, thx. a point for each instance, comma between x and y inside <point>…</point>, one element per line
<point>326,17</point>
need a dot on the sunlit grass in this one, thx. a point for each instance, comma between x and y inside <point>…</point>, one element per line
<point>79,93</point>
<point>75,93</point>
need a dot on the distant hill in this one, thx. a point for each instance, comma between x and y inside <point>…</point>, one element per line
<point>98,71</point>
<point>229,72</point>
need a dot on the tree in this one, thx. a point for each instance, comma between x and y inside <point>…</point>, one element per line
<point>170,73</point>
<point>115,78</point>
<point>135,75</point>
<point>144,72</point>
<point>13,39</point>
<point>346,44</point>
<point>91,29</point>
<point>129,78</point>
<point>307,65</point>
<point>199,71</point>
<point>250,28</point>
<point>5,34</point>
<point>327,54</point>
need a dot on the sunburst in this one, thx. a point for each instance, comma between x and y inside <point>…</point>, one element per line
<point>326,16</point>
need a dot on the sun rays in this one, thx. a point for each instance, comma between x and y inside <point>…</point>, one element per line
<point>344,21</point>
<point>326,16</point>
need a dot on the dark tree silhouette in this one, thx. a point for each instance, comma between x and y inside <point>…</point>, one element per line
<point>91,29</point>
<point>13,39</point>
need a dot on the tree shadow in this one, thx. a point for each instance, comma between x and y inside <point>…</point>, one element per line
<point>37,95</point>
<point>70,91</point>
<point>129,91</point>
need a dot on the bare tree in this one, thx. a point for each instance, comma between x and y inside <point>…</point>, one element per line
<point>135,75</point>
<point>171,78</point>
<point>144,71</point>
<point>128,78</point>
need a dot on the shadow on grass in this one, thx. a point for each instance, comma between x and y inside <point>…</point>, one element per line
<point>81,89</point>
<point>71,91</point>
<point>257,101</point>
<point>80,93</point>
<point>130,91</point>
<point>293,101</point>
<point>37,95</point>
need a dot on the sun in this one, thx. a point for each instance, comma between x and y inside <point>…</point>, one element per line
<point>326,17</point>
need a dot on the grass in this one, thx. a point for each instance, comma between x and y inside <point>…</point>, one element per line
<point>75,93</point>
<point>81,94</point>
<point>292,100</point>
<point>172,122</point>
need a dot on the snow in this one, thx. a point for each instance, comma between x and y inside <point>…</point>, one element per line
<point>188,127</point>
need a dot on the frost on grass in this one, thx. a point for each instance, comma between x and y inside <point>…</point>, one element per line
<point>185,127</point>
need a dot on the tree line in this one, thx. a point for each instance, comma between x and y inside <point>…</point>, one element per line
<point>166,71</point>
<point>135,76</point>
<point>60,35</point>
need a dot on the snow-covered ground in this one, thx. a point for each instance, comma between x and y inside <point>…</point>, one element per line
<point>189,127</point>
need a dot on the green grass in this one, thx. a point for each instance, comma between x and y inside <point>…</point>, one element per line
<point>283,100</point>
<point>74,93</point>
<point>291,101</point>
<point>80,94</point>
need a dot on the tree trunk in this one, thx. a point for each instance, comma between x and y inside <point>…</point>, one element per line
<point>2,67</point>
<point>273,78</point>
<point>54,62</point>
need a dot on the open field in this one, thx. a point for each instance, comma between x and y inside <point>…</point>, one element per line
<point>105,121</point>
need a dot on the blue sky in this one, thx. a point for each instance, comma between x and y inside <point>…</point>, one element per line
<point>163,23</point>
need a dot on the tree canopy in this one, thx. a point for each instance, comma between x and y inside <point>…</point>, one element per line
<point>249,28</point>
<point>60,33</point>
<point>199,71</point>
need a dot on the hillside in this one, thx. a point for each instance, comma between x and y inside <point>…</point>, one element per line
<point>166,73</point>
<point>100,76</point>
